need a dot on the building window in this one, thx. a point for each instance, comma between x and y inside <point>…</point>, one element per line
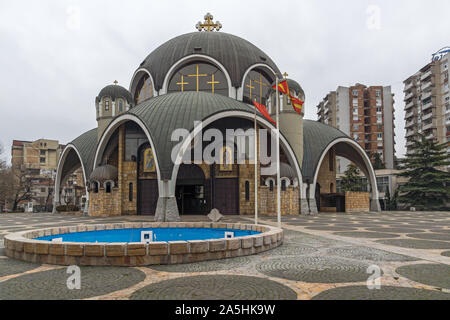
<point>42,189</point>
<point>130,192</point>
<point>42,152</point>
<point>247,191</point>
<point>106,105</point>
<point>270,185</point>
<point>355,93</point>
<point>108,187</point>
<point>355,102</point>
<point>120,106</point>
<point>95,187</point>
<point>283,185</point>
<point>378,93</point>
<point>42,160</point>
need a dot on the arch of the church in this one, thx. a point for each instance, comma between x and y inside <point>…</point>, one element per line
<point>69,161</point>
<point>351,150</point>
<point>200,58</point>
<point>241,89</point>
<point>135,80</point>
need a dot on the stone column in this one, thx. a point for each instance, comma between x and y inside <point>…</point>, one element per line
<point>86,205</point>
<point>166,208</point>
<point>312,201</point>
<point>375,205</point>
<point>304,205</point>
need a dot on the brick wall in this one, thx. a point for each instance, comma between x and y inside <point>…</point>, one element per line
<point>357,201</point>
<point>104,204</point>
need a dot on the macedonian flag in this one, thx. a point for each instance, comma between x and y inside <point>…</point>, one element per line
<point>297,104</point>
<point>282,87</point>
<point>262,108</point>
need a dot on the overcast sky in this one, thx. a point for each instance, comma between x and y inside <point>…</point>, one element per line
<point>55,56</point>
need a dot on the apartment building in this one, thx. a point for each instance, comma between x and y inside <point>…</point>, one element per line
<point>367,115</point>
<point>427,101</point>
<point>38,160</point>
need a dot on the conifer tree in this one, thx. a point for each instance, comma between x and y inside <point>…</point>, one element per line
<point>351,180</point>
<point>428,187</point>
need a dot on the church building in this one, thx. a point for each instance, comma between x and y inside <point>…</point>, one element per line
<point>198,83</point>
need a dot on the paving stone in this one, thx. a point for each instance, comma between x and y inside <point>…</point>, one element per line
<point>52,284</point>
<point>384,293</point>
<point>395,230</point>
<point>431,236</point>
<point>416,244</point>
<point>216,287</point>
<point>12,266</point>
<point>365,253</point>
<point>437,275</point>
<point>331,228</point>
<point>206,266</point>
<point>315,269</point>
<point>364,234</point>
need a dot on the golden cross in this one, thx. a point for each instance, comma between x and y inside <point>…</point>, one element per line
<point>116,82</point>
<point>182,83</point>
<point>261,84</point>
<point>197,75</point>
<point>208,25</point>
<point>212,82</point>
<point>285,75</point>
<point>250,87</point>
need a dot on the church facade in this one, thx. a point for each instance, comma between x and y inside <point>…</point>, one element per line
<point>202,85</point>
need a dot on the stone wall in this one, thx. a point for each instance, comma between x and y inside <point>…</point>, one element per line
<point>357,201</point>
<point>105,204</point>
<point>326,177</point>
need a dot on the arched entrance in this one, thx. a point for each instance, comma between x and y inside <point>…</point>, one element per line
<point>192,190</point>
<point>147,182</point>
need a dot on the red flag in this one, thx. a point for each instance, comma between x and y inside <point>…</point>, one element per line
<point>297,104</point>
<point>262,108</point>
<point>282,87</point>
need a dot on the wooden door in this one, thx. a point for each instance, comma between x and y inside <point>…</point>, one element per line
<point>147,196</point>
<point>226,195</point>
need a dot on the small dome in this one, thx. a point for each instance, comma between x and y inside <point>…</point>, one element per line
<point>115,91</point>
<point>286,171</point>
<point>104,173</point>
<point>296,88</point>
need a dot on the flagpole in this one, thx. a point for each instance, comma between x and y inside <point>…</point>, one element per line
<point>256,173</point>
<point>278,158</point>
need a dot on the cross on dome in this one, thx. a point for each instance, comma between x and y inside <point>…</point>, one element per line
<point>208,25</point>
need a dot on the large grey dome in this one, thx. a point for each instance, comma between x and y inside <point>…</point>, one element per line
<point>234,53</point>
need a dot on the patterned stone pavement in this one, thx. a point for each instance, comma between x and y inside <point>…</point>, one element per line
<point>323,257</point>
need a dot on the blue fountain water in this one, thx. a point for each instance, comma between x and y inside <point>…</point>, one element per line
<point>159,234</point>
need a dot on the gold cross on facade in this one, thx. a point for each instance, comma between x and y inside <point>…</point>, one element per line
<point>249,85</point>
<point>208,25</point>
<point>197,75</point>
<point>261,84</point>
<point>212,82</point>
<point>182,83</point>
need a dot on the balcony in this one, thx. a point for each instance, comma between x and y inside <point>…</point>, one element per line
<point>409,96</point>
<point>409,114</point>
<point>427,116</point>
<point>410,133</point>
<point>426,95</point>
<point>425,75</point>
<point>410,123</point>
<point>426,85</point>
<point>408,86</point>
<point>409,105</point>
<point>427,105</point>
<point>409,143</point>
<point>428,125</point>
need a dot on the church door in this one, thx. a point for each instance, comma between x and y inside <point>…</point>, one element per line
<point>226,195</point>
<point>147,196</point>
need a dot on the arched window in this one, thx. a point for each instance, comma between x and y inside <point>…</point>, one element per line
<point>226,159</point>
<point>120,105</point>
<point>95,187</point>
<point>271,185</point>
<point>247,191</point>
<point>106,104</point>
<point>331,187</point>
<point>257,86</point>
<point>283,185</point>
<point>198,76</point>
<point>130,192</point>
<point>144,89</point>
<point>108,187</point>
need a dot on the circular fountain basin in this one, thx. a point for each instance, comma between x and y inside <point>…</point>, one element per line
<point>141,243</point>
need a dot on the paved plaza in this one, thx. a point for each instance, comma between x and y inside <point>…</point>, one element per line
<point>323,257</point>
